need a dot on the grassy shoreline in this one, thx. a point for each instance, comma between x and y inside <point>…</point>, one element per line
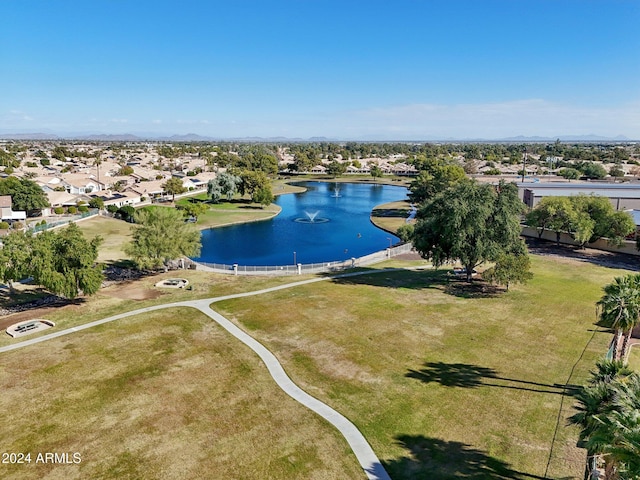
<point>238,211</point>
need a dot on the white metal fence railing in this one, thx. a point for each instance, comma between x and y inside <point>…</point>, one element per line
<point>300,268</point>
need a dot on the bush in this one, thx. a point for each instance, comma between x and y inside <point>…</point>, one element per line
<point>126,212</point>
<point>8,170</point>
<point>17,225</point>
<point>58,210</point>
<point>83,209</point>
<point>96,202</point>
<point>405,232</point>
<point>72,210</point>
<point>492,171</point>
<point>4,226</point>
<point>112,209</point>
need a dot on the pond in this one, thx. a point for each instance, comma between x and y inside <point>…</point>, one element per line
<point>328,222</point>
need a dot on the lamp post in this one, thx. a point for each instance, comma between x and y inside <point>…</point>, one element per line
<point>389,238</point>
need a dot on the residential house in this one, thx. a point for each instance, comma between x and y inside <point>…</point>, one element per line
<point>81,184</point>
<point>7,214</point>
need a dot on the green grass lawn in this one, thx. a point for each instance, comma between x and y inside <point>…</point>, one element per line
<point>141,293</point>
<point>443,380</point>
<point>115,234</point>
<point>165,395</point>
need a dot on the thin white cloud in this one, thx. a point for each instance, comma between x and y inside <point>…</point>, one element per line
<point>13,117</point>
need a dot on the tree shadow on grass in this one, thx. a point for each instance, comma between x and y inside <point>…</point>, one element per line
<point>395,278</point>
<point>36,297</point>
<point>436,459</point>
<point>442,280</point>
<point>475,289</point>
<point>472,376</point>
<point>199,200</point>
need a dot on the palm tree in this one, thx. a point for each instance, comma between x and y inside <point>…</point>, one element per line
<point>619,433</point>
<point>596,402</point>
<point>620,308</point>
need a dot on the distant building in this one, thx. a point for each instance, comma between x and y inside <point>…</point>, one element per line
<point>622,196</point>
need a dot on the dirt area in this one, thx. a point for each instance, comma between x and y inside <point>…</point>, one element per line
<point>412,255</point>
<point>26,315</point>
<point>131,291</point>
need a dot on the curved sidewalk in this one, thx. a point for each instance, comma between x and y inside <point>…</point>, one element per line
<point>367,458</point>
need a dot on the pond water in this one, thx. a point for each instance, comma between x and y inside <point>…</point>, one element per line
<point>328,222</point>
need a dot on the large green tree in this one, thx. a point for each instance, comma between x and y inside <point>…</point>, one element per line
<point>376,172</point>
<point>509,269</point>
<point>174,187</point>
<point>606,222</point>
<point>436,179</point>
<point>64,262</point>
<point>471,223</point>
<point>194,209</point>
<point>257,185</point>
<point>161,235</point>
<point>335,168</point>
<point>225,184</point>
<point>553,213</point>
<point>585,217</point>
<point>25,194</point>
<point>592,170</point>
<point>14,258</point>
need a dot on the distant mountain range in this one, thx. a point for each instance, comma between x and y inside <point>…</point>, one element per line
<point>568,138</point>
<point>192,137</point>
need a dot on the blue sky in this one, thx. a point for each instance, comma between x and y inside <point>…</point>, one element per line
<point>349,69</point>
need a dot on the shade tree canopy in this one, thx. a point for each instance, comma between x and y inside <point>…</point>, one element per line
<point>63,262</point>
<point>257,185</point>
<point>585,217</point>
<point>161,235</point>
<point>174,187</point>
<point>435,178</point>
<point>509,269</point>
<point>14,257</point>
<point>194,209</point>
<point>471,223</point>
<point>225,184</point>
<point>25,194</point>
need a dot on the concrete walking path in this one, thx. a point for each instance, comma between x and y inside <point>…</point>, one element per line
<point>367,458</point>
